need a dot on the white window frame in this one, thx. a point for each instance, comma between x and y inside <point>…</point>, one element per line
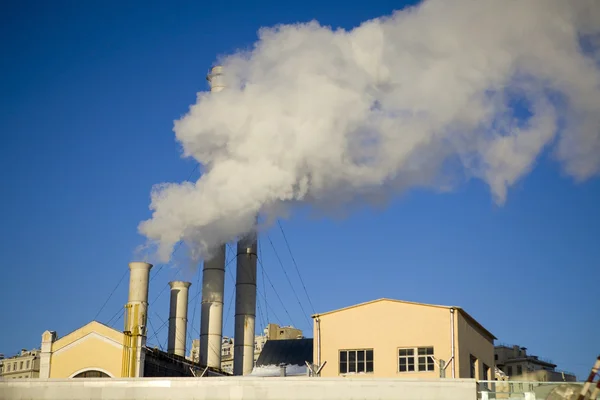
<point>415,359</point>
<point>365,361</point>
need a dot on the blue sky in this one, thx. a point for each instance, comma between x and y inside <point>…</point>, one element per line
<point>89,94</point>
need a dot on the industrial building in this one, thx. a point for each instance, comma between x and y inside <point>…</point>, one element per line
<point>393,338</point>
<point>516,364</point>
<point>97,350</point>
<point>26,364</point>
<point>271,332</point>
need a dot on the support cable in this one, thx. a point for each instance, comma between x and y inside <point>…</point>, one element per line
<point>277,294</point>
<point>296,265</point>
<point>289,281</point>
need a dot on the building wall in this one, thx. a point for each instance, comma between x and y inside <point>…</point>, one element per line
<point>475,349</point>
<point>24,365</point>
<point>92,347</point>
<point>293,388</point>
<point>387,326</point>
<point>384,326</point>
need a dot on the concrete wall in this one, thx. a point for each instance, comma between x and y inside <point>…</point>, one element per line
<point>238,388</point>
<point>471,340</point>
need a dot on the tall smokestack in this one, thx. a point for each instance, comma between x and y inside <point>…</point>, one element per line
<point>213,281</point>
<point>136,315</point>
<point>245,305</point>
<point>178,317</point>
<point>211,320</point>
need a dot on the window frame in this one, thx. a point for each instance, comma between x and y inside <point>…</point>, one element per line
<point>415,357</point>
<point>357,359</point>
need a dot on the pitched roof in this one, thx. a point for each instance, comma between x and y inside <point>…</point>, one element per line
<point>460,309</point>
<point>286,351</point>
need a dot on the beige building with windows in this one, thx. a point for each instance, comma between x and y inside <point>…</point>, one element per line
<point>26,364</point>
<point>516,364</point>
<point>394,338</point>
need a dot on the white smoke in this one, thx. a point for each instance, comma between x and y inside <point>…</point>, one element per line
<point>432,95</point>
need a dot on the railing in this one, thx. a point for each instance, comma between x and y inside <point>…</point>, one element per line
<point>528,390</point>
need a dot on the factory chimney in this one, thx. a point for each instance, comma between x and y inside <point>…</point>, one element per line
<point>178,317</point>
<point>136,314</point>
<point>245,305</point>
<point>213,281</point>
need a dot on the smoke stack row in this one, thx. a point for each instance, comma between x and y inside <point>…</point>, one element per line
<point>213,287</point>
<point>211,319</point>
<point>136,319</point>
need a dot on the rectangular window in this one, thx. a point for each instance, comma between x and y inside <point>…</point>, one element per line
<point>7,367</point>
<point>356,361</point>
<point>14,366</point>
<point>484,373</point>
<point>417,358</point>
<point>473,361</point>
<point>519,370</point>
<point>509,371</point>
<point>28,363</point>
<point>21,365</point>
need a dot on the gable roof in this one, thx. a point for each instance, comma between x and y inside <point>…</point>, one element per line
<point>92,326</point>
<point>460,310</point>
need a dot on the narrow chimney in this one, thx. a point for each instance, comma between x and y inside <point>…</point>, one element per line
<point>245,305</point>
<point>213,280</point>
<point>136,314</point>
<point>211,320</point>
<point>178,317</point>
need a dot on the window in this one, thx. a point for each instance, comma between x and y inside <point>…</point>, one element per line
<point>356,361</point>
<point>519,370</point>
<point>422,357</point>
<point>7,367</point>
<point>14,366</point>
<point>91,374</point>
<point>473,361</point>
<point>484,375</point>
<point>21,365</point>
<point>496,357</point>
<point>509,371</point>
<point>28,363</point>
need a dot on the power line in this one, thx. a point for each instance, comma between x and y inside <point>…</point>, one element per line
<point>152,326</point>
<point>277,294</point>
<point>110,295</point>
<point>296,265</point>
<point>289,281</point>
<point>260,293</point>
<point>157,271</point>
<point>262,270</point>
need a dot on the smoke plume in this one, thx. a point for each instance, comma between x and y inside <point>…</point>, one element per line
<point>427,97</point>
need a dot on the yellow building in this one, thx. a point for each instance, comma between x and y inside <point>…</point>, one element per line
<point>394,338</point>
<point>94,350</point>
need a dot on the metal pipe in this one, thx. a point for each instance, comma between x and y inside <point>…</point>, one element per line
<point>452,342</point>
<point>211,319</point>
<point>318,321</point>
<point>178,317</point>
<point>136,316</point>
<point>245,305</point>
